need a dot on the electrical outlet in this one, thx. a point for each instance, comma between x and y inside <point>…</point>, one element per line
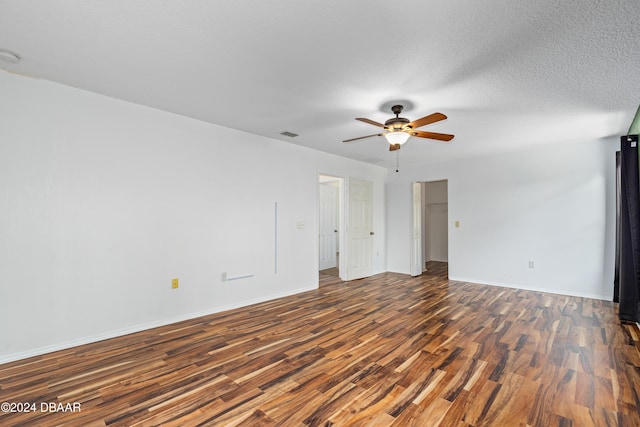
<point>457,224</point>
<point>223,276</point>
<point>174,283</point>
<point>531,264</point>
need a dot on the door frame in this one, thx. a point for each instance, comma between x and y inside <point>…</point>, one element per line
<point>341,223</point>
<point>424,213</point>
<point>343,220</point>
<point>328,220</point>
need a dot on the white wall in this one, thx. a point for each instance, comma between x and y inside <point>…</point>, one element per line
<point>103,202</point>
<point>553,205</point>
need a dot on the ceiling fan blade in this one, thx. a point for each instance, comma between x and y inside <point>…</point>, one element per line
<point>431,118</point>
<point>432,135</point>
<point>394,147</point>
<point>362,137</point>
<point>371,122</point>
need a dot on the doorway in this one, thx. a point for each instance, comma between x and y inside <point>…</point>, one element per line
<point>330,214</point>
<point>433,225</point>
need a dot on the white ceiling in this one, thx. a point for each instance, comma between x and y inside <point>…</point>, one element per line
<point>509,74</point>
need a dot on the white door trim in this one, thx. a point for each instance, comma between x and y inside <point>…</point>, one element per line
<point>327,224</point>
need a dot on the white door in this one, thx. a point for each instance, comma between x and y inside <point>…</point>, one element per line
<point>416,229</point>
<point>328,229</point>
<point>359,230</point>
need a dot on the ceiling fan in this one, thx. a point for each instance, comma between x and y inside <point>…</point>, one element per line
<point>398,129</point>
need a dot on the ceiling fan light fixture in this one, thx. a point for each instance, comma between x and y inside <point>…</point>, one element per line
<point>397,137</point>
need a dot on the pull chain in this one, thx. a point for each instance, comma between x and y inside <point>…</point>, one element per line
<point>397,160</point>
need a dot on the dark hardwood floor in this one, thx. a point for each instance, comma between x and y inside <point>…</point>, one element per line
<point>389,350</point>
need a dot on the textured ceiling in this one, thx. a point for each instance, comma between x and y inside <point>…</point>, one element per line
<point>508,74</point>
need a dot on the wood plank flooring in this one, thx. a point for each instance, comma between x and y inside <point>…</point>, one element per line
<point>389,350</point>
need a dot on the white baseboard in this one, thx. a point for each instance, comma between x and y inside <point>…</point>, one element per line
<point>534,288</point>
<point>6,358</point>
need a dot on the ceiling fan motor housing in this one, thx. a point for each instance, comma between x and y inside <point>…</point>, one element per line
<point>397,123</point>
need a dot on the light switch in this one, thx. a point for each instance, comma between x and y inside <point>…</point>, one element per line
<point>457,224</point>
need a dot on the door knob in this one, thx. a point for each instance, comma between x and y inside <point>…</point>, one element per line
<point>371,233</point>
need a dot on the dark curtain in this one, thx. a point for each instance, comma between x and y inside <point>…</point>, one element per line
<point>628,241</point>
<point>616,276</point>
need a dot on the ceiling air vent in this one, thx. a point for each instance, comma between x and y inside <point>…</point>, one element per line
<point>8,56</point>
<point>289,134</point>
